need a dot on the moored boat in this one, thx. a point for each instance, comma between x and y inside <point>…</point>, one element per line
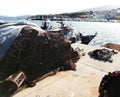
<point>67,31</point>
<point>86,39</point>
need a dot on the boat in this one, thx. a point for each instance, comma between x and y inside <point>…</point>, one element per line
<point>67,31</point>
<point>86,39</point>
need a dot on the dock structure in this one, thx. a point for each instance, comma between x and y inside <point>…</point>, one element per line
<point>84,82</point>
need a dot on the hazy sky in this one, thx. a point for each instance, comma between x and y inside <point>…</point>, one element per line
<point>33,7</point>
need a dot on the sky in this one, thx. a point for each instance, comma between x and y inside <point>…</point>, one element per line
<point>35,7</point>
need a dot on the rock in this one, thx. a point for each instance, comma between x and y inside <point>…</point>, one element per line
<point>112,46</point>
<point>110,85</point>
<point>102,54</point>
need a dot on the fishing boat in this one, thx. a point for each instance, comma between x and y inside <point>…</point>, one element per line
<point>86,39</point>
<point>67,31</point>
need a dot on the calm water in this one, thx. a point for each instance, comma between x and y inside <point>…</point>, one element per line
<point>107,32</point>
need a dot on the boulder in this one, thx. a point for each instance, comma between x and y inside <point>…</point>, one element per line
<point>110,85</point>
<point>112,46</point>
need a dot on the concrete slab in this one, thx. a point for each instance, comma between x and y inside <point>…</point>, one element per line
<point>81,83</point>
<point>100,65</point>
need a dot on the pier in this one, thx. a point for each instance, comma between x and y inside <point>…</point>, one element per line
<point>84,82</point>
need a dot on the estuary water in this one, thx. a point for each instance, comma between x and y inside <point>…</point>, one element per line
<point>108,32</point>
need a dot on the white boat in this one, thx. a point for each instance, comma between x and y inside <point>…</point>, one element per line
<point>67,31</point>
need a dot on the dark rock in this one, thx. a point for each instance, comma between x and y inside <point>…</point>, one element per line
<point>110,85</point>
<point>112,46</point>
<point>102,54</point>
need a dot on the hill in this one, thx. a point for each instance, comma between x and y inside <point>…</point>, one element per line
<point>101,8</point>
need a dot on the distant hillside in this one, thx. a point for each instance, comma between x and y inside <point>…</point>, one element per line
<point>88,13</point>
<point>102,8</point>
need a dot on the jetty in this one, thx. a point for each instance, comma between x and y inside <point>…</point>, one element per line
<point>84,82</point>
